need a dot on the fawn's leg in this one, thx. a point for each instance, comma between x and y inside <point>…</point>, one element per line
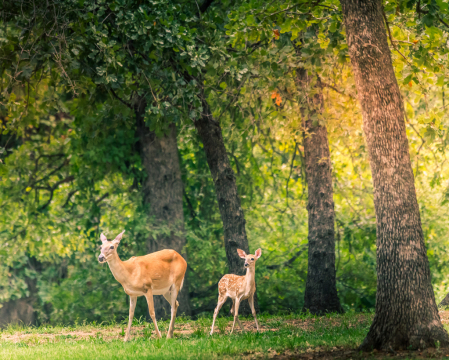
<point>132,306</point>
<point>251,305</point>
<point>240,324</point>
<point>149,297</point>
<point>238,319</point>
<point>172,295</point>
<point>221,301</point>
<point>236,312</point>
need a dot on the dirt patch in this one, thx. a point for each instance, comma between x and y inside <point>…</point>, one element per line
<point>117,333</point>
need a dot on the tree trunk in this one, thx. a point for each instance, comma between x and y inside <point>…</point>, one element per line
<point>321,292</point>
<point>19,311</point>
<point>406,314</point>
<point>231,211</point>
<point>162,192</point>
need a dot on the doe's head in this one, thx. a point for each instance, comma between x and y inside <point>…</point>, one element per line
<point>108,248</point>
<point>250,260</point>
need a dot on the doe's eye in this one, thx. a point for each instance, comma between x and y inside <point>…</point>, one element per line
<point>252,258</point>
<point>111,247</point>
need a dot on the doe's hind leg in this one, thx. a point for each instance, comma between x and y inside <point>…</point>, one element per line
<point>149,297</point>
<point>171,298</point>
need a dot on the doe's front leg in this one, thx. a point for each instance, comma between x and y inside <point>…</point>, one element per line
<point>132,306</point>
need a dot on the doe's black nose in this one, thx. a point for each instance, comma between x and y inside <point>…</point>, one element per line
<point>101,258</point>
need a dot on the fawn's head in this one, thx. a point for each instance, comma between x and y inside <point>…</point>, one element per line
<point>250,260</point>
<point>108,248</point>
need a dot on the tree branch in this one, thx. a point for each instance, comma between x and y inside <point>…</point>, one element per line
<point>233,99</point>
<point>52,190</point>
<point>120,99</point>
<point>205,5</point>
<point>288,262</point>
<point>421,11</point>
<point>71,193</point>
<point>389,35</point>
<point>323,85</point>
<point>102,198</point>
<point>65,162</point>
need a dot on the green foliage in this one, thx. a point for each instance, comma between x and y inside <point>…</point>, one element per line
<point>70,166</point>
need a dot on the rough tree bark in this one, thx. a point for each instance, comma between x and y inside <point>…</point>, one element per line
<point>223,176</point>
<point>163,191</point>
<point>320,295</point>
<point>19,311</point>
<point>406,314</point>
<point>22,311</point>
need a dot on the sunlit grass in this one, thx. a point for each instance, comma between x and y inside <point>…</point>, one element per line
<point>105,341</point>
<point>282,334</point>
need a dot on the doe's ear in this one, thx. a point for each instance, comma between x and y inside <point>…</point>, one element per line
<point>258,253</point>
<point>119,237</point>
<point>241,253</point>
<point>103,238</point>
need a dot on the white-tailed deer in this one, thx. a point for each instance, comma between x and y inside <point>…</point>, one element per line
<point>159,273</point>
<point>239,288</point>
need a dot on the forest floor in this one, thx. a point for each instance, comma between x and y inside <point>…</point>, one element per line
<point>281,337</point>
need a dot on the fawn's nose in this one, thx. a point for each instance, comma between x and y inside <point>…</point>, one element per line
<point>101,258</point>
<point>246,264</point>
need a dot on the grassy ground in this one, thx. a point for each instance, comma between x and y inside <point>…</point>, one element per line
<point>282,337</point>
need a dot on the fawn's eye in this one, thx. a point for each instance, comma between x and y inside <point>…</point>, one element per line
<point>252,258</point>
<point>111,248</point>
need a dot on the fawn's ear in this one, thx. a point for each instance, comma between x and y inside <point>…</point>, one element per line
<point>103,238</point>
<point>241,253</point>
<point>119,237</point>
<point>258,253</point>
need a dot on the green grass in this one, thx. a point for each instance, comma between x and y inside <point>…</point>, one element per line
<point>105,341</point>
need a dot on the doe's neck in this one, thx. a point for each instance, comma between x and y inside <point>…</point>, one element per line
<point>117,268</point>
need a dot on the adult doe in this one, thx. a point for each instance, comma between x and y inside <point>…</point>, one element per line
<point>159,273</point>
<point>239,288</point>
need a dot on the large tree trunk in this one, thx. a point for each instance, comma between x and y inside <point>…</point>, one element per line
<point>321,292</point>
<point>231,211</point>
<point>162,192</point>
<point>19,311</point>
<point>406,314</point>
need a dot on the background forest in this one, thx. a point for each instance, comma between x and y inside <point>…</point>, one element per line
<point>73,164</point>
